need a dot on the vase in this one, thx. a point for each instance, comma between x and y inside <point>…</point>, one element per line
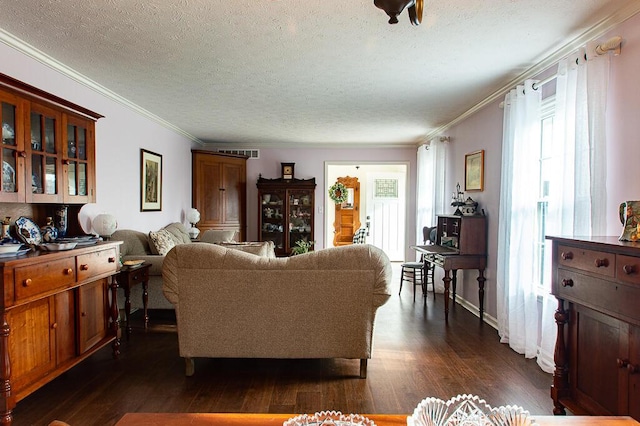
<point>61,220</point>
<point>49,231</point>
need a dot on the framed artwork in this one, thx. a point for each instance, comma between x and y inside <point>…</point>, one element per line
<point>474,171</point>
<point>287,170</point>
<point>150,181</point>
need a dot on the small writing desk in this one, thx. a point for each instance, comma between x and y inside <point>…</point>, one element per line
<point>450,260</point>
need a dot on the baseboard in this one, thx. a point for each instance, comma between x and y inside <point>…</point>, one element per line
<point>487,319</point>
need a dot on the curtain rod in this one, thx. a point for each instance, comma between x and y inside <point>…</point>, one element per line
<point>541,83</point>
<point>613,44</point>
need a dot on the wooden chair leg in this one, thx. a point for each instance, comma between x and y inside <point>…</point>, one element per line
<point>363,368</point>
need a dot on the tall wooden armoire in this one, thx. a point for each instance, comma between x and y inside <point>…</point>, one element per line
<point>220,191</point>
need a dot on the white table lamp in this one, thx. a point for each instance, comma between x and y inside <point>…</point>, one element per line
<point>193,217</point>
<point>105,225</point>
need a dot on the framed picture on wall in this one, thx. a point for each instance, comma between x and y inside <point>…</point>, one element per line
<point>474,171</point>
<point>150,181</point>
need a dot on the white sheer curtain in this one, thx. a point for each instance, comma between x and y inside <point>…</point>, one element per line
<point>517,297</point>
<point>577,199</point>
<point>430,184</point>
<point>577,202</point>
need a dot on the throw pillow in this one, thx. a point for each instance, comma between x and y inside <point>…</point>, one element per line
<point>162,241</point>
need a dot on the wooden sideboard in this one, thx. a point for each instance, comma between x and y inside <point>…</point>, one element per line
<point>58,308</point>
<point>597,356</point>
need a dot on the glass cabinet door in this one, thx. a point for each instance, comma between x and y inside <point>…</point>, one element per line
<point>78,147</point>
<point>12,188</point>
<point>272,218</point>
<point>44,155</point>
<point>300,217</point>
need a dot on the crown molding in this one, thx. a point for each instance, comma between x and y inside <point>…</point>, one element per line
<point>617,18</point>
<point>30,51</point>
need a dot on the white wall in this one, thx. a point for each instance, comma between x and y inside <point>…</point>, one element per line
<point>119,137</point>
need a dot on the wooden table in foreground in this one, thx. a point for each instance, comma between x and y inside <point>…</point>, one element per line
<point>237,419</point>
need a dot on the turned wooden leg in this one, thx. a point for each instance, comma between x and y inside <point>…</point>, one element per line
<point>481,280</point>
<point>447,281</point>
<point>190,366</point>
<point>115,328</point>
<point>560,387</point>
<point>363,368</point>
<point>7,400</point>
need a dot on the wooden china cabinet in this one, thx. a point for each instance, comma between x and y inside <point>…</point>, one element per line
<point>220,191</point>
<point>48,147</point>
<point>286,212</point>
<point>57,308</point>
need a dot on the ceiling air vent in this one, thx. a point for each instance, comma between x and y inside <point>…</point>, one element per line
<point>251,153</point>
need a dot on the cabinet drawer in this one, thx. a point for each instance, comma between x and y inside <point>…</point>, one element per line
<point>96,263</point>
<point>615,299</point>
<point>587,260</point>
<point>44,277</point>
<point>628,269</point>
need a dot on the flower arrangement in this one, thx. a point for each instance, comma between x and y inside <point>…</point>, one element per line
<point>338,193</point>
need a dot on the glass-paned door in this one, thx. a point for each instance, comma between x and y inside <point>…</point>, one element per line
<point>78,148</point>
<point>12,186</point>
<point>272,215</point>
<point>300,217</point>
<point>43,152</point>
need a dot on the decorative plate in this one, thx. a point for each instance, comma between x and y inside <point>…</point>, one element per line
<point>9,248</point>
<point>467,410</point>
<point>329,418</point>
<point>28,231</point>
<point>15,253</point>
<point>133,262</point>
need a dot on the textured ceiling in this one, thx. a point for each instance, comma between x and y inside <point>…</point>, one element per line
<point>285,72</point>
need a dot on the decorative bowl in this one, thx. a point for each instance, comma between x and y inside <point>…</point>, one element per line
<point>329,418</point>
<point>468,410</point>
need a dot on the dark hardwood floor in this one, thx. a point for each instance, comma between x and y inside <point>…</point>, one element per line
<point>416,354</point>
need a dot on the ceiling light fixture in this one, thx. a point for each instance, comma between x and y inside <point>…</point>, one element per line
<point>393,8</point>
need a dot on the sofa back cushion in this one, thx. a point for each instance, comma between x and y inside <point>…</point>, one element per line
<point>179,233</point>
<point>218,236</point>
<point>134,242</point>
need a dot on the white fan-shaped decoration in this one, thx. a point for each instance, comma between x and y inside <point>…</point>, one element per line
<point>329,418</point>
<point>467,410</point>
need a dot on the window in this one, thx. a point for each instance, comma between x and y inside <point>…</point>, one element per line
<point>543,250</point>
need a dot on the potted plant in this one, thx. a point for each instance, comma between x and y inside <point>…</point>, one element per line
<point>301,247</point>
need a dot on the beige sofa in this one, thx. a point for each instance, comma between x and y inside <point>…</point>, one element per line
<point>136,246</point>
<point>230,304</point>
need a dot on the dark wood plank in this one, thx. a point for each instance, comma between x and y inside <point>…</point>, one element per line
<point>415,354</point>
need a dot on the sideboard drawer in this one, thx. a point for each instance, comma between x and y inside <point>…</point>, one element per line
<point>587,260</point>
<point>44,277</point>
<point>613,298</point>
<point>628,269</point>
<point>96,263</point>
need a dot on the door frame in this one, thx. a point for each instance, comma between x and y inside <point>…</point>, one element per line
<point>359,169</point>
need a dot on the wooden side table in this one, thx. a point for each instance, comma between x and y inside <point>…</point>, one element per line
<point>127,278</point>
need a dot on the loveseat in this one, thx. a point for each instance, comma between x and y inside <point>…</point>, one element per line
<point>140,246</point>
<point>321,304</point>
<point>136,246</point>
